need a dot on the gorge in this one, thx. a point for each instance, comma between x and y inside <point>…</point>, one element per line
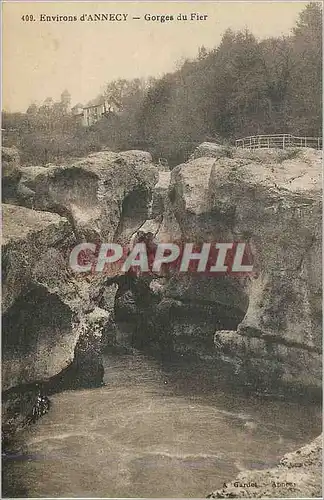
<point>174,384</point>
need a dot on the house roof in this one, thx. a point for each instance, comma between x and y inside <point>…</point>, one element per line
<point>95,102</point>
<point>99,101</point>
<point>79,105</point>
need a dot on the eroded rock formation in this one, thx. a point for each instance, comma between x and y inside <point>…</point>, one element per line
<point>271,200</point>
<point>39,297</point>
<point>54,326</point>
<point>265,329</point>
<point>105,196</point>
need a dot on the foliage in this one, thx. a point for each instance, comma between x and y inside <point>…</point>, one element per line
<point>243,87</point>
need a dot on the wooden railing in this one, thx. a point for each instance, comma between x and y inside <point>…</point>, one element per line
<point>281,141</point>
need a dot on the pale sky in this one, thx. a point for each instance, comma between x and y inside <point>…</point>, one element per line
<point>41,59</point>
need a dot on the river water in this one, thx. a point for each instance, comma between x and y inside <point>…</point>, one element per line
<point>154,430</point>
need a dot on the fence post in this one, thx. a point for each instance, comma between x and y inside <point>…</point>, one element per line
<point>283,142</point>
<point>250,142</point>
<point>318,143</point>
<point>268,142</point>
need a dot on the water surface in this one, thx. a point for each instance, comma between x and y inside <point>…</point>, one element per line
<point>154,430</point>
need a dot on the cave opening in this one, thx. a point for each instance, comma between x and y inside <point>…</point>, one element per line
<point>156,317</point>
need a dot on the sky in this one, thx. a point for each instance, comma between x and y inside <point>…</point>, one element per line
<point>40,59</point>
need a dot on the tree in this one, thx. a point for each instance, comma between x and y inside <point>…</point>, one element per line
<point>277,64</point>
<point>32,109</point>
<point>309,24</point>
<point>306,75</point>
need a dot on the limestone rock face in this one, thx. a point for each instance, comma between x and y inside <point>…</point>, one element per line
<point>38,297</point>
<point>104,196</point>
<point>272,201</point>
<point>211,150</point>
<point>45,309</point>
<point>160,193</point>
<point>27,185</point>
<point>169,230</point>
<point>161,220</point>
<point>55,322</point>
<point>299,475</point>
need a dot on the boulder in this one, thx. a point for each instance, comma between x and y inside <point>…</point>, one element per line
<point>211,150</point>
<point>26,189</point>
<point>105,196</point>
<point>50,321</point>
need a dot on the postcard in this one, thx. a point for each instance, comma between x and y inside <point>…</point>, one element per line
<point>161,250</point>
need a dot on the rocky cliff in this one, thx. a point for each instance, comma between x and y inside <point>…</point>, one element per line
<point>267,329</point>
<point>53,327</point>
<point>264,331</point>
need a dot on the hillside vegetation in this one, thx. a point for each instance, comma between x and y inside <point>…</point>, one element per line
<point>242,87</point>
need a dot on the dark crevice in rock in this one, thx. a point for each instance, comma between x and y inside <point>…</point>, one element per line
<point>34,316</point>
<point>134,209</point>
<point>169,323</point>
<point>85,371</point>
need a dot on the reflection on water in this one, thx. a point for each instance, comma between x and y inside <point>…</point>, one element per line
<point>154,431</point>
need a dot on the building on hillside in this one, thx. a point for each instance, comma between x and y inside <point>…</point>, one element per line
<point>77,109</point>
<point>77,113</point>
<point>97,108</point>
